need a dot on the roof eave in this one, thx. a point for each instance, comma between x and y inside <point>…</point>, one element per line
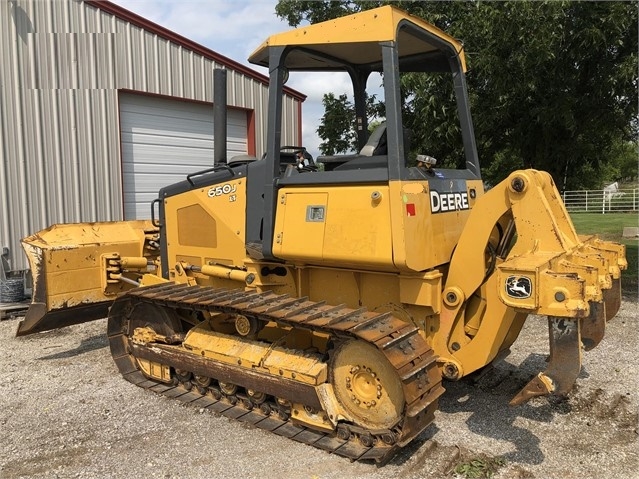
<point>178,39</point>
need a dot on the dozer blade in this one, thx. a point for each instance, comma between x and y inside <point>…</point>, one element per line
<point>39,318</point>
<point>71,263</point>
<point>564,365</point>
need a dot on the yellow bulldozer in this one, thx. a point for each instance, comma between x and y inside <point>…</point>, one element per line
<point>328,304</point>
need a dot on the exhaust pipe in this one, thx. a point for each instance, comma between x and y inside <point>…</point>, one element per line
<point>219,117</point>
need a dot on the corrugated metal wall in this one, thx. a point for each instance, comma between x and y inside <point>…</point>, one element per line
<point>61,65</point>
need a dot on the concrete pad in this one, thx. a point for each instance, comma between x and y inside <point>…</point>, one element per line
<point>631,232</point>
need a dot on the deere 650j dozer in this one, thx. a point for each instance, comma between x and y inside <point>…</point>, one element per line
<point>327,306</point>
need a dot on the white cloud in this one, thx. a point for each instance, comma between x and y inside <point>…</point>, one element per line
<point>232,28</point>
<point>235,28</point>
<point>310,138</point>
<point>315,85</point>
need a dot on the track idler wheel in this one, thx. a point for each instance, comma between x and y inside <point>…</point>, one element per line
<point>202,384</point>
<point>247,327</point>
<point>215,393</point>
<point>257,397</point>
<point>266,409</point>
<point>185,378</point>
<point>343,432</point>
<point>366,385</point>
<point>283,409</point>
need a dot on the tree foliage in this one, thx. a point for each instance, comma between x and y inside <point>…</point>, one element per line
<point>336,128</point>
<point>552,84</point>
<point>297,11</point>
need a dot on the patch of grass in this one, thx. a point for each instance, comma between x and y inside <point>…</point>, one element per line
<point>610,227</point>
<point>478,467</point>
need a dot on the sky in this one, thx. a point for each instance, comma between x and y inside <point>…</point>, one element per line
<point>235,28</point>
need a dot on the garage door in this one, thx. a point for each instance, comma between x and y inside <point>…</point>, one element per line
<point>165,140</point>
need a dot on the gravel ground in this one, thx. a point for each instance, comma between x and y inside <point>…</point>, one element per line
<point>66,412</point>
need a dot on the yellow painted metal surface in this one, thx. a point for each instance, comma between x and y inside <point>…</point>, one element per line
<point>358,31</point>
<point>494,320</point>
<point>342,225</point>
<point>155,370</point>
<point>549,270</point>
<point>423,289</point>
<point>149,279</point>
<point>317,420</point>
<point>67,260</point>
<point>423,239</point>
<point>566,273</point>
<point>301,225</point>
<point>224,272</point>
<point>370,391</point>
<point>352,288</point>
<point>207,225</point>
<point>258,356</point>
<point>382,228</point>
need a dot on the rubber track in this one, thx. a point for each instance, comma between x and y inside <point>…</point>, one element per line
<point>400,342</point>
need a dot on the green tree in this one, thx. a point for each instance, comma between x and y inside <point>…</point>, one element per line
<point>297,11</point>
<point>623,166</point>
<point>336,126</point>
<point>553,85</point>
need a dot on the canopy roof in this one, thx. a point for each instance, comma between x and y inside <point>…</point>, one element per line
<point>354,40</point>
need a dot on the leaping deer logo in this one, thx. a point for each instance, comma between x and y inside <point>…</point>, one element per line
<point>518,287</point>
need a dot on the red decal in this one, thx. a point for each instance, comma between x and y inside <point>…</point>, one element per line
<point>410,209</point>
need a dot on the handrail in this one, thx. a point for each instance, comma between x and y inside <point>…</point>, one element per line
<point>209,170</point>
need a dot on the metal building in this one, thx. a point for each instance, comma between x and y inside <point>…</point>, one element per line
<point>99,108</point>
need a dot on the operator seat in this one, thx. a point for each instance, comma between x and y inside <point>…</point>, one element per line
<point>376,144</point>
<point>374,153</point>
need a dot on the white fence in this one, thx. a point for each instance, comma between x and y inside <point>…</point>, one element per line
<point>609,200</point>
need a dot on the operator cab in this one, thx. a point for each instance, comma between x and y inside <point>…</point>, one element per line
<point>385,41</point>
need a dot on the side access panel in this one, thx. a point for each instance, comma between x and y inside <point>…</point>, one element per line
<point>342,226</point>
